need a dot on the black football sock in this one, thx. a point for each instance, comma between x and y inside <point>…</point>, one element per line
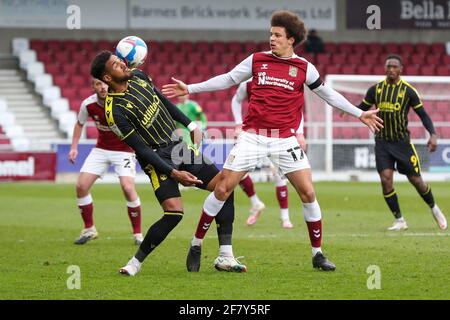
<point>392,202</point>
<point>157,233</point>
<point>224,221</point>
<point>428,197</point>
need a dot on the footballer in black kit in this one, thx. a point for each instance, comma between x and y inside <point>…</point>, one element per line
<point>145,120</point>
<point>394,97</point>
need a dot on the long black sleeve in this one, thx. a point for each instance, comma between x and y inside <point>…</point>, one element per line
<point>426,120</point>
<point>147,154</point>
<point>176,114</point>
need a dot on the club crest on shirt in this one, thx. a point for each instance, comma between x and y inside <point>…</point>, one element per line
<point>264,66</point>
<point>142,83</point>
<point>293,71</point>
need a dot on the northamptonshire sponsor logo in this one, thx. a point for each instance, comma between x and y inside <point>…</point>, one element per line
<point>17,168</point>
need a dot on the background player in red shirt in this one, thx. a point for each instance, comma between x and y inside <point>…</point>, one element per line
<point>108,151</point>
<point>274,115</point>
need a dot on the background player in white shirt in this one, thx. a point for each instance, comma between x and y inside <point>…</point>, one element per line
<point>243,93</point>
<point>108,151</point>
<point>275,112</point>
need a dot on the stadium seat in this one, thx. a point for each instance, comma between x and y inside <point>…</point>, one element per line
<point>355,58</point>
<point>407,48</point>
<point>443,70</point>
<point>186,70</point>
<point>437,48</point>
<point>250,47</point>
<point>427,70</point>
<point>58,107</point>
<point>241,57</point>
<point>179,57</point>
<point>235,46</point>
<point>423,48</point>
<point>378,69</point>
<point>219,47</point>
<point>411,70</point>
<point>202,46</point>
<point>168,46</point>
<point>227,58</point>
<point>103,45</point>
<point>211,107</point>
<point>330,47</point>
<point>69,68</point>
<point>60,80</point>
<point>153,69</point>
<point>375,47</point>
<point>194,58</point>
<point>434,59</point>
<point>69,92</point>
<point>26,57</point>
<point>323,59</point>
<point>170,70</point>
<point>348,69</point>
<point>391,48</point>
<point>360,48</point>
<point>371,58</point>
<point>78,57</point>
<point>34,69</point>
<point>54,45</point>
<point>445,132</point>
<point>339,58</point>
<point>43,81</point>
<point>223,117</point>
<point>333,69</point>
<point>50,94</point>
<point>185,46</point>
<point>416,132</point>
<point>71,45</point>
<point>75,104</point>
<point>417,58</point>
<point>264,46</point>
<point>87,45</point>
<point>219,69</point>
<point>38,45</point>
<point>79,81</point>
<point>211,58</point>
<point>44,57</point>
<point>203,70</point>
<point>85,92</point>
<point>85,70</point>
<point>364,69</point>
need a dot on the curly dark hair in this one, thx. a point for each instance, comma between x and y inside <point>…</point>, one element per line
<point>396,57</point>
<point>292,23</point>
<point>99,63</point>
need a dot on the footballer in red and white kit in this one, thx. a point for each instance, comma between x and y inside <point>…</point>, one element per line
<point>274,115</point>
<point>243,92</point>
<point>109,150</point>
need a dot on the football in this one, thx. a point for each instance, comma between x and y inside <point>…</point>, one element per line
<point>133,50</point>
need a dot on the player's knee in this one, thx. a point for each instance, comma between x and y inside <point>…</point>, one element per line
<point>308,196</point>
<point>222,192</point>
<point>128,189</point>
<point>82,189</point>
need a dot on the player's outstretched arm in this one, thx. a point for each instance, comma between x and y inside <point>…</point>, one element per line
<point>370,119</point>
<point>177,89</point>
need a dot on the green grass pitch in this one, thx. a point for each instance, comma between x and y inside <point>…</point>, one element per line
<point>38,223</point>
